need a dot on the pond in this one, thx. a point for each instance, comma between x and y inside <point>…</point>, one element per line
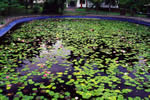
<point>74,59</point>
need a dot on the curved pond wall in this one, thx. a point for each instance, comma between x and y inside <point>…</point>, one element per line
<point>13,23</point>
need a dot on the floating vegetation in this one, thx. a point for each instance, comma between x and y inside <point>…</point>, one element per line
<point>74,59</point>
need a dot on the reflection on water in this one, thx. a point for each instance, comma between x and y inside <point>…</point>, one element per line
<point>53,59</point>
<point>56,56</point>
<point>135,92</point>
<point>58,50</point>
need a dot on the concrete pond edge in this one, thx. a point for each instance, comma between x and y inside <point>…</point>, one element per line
<point>10,25</point>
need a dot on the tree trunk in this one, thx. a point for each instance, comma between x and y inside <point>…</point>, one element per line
<point>81,3</point>
<point>26,4</point>
<point>56,6</point>
<point>9,7</point>
<point>122,11</point>
<point>86,4</point>
<point>110,5</point>
<point>31,3</point>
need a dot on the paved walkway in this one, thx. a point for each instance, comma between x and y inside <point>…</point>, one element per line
<point>72,9</point>
<point>118,16</point>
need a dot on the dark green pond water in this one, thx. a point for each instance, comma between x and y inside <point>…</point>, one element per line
<point>72,59</point>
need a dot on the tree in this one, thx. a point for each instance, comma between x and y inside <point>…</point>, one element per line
<point>96,3</point>
<point>7,5</point>
<point>53,6</point>
<point>111,2</point>
<point>86,3</point>
<point>133,5</point>
<point>81,3</point>
<point>137,4</point>
<point>140,5</point>
<point>3,6</point>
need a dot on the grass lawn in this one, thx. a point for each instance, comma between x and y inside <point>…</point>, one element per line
<point>84,11</point>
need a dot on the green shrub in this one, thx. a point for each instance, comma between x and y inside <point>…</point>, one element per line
<point>36,9</point>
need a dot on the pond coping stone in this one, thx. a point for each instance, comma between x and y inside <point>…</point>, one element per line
<point>6,27</point>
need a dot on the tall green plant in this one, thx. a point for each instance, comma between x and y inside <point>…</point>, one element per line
<point>124,3</point>
<point>53,6</point>
<point>7,5</point>
<point>96,3</point>
<point>3,6</point>
<point>111,2</point>
<point>133,4</point>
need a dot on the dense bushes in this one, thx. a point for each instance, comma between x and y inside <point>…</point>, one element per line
<point>7,7</point>
<point>134,5</point>
<point>53,7</point>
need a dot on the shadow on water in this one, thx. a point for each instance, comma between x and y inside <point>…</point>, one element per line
<point>60,57</point>
<point>56,58</point>
<point>135,92</point>
<point>56,55</point>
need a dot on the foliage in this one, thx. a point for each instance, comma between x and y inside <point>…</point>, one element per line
<point>136,4</point>
<point>95,60</point>
<point>7,5</point>
<point>112,2</point>
<point>36,8</point>
<point>96,3</point>
<point>53,6</point>
<point>3,5</point>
